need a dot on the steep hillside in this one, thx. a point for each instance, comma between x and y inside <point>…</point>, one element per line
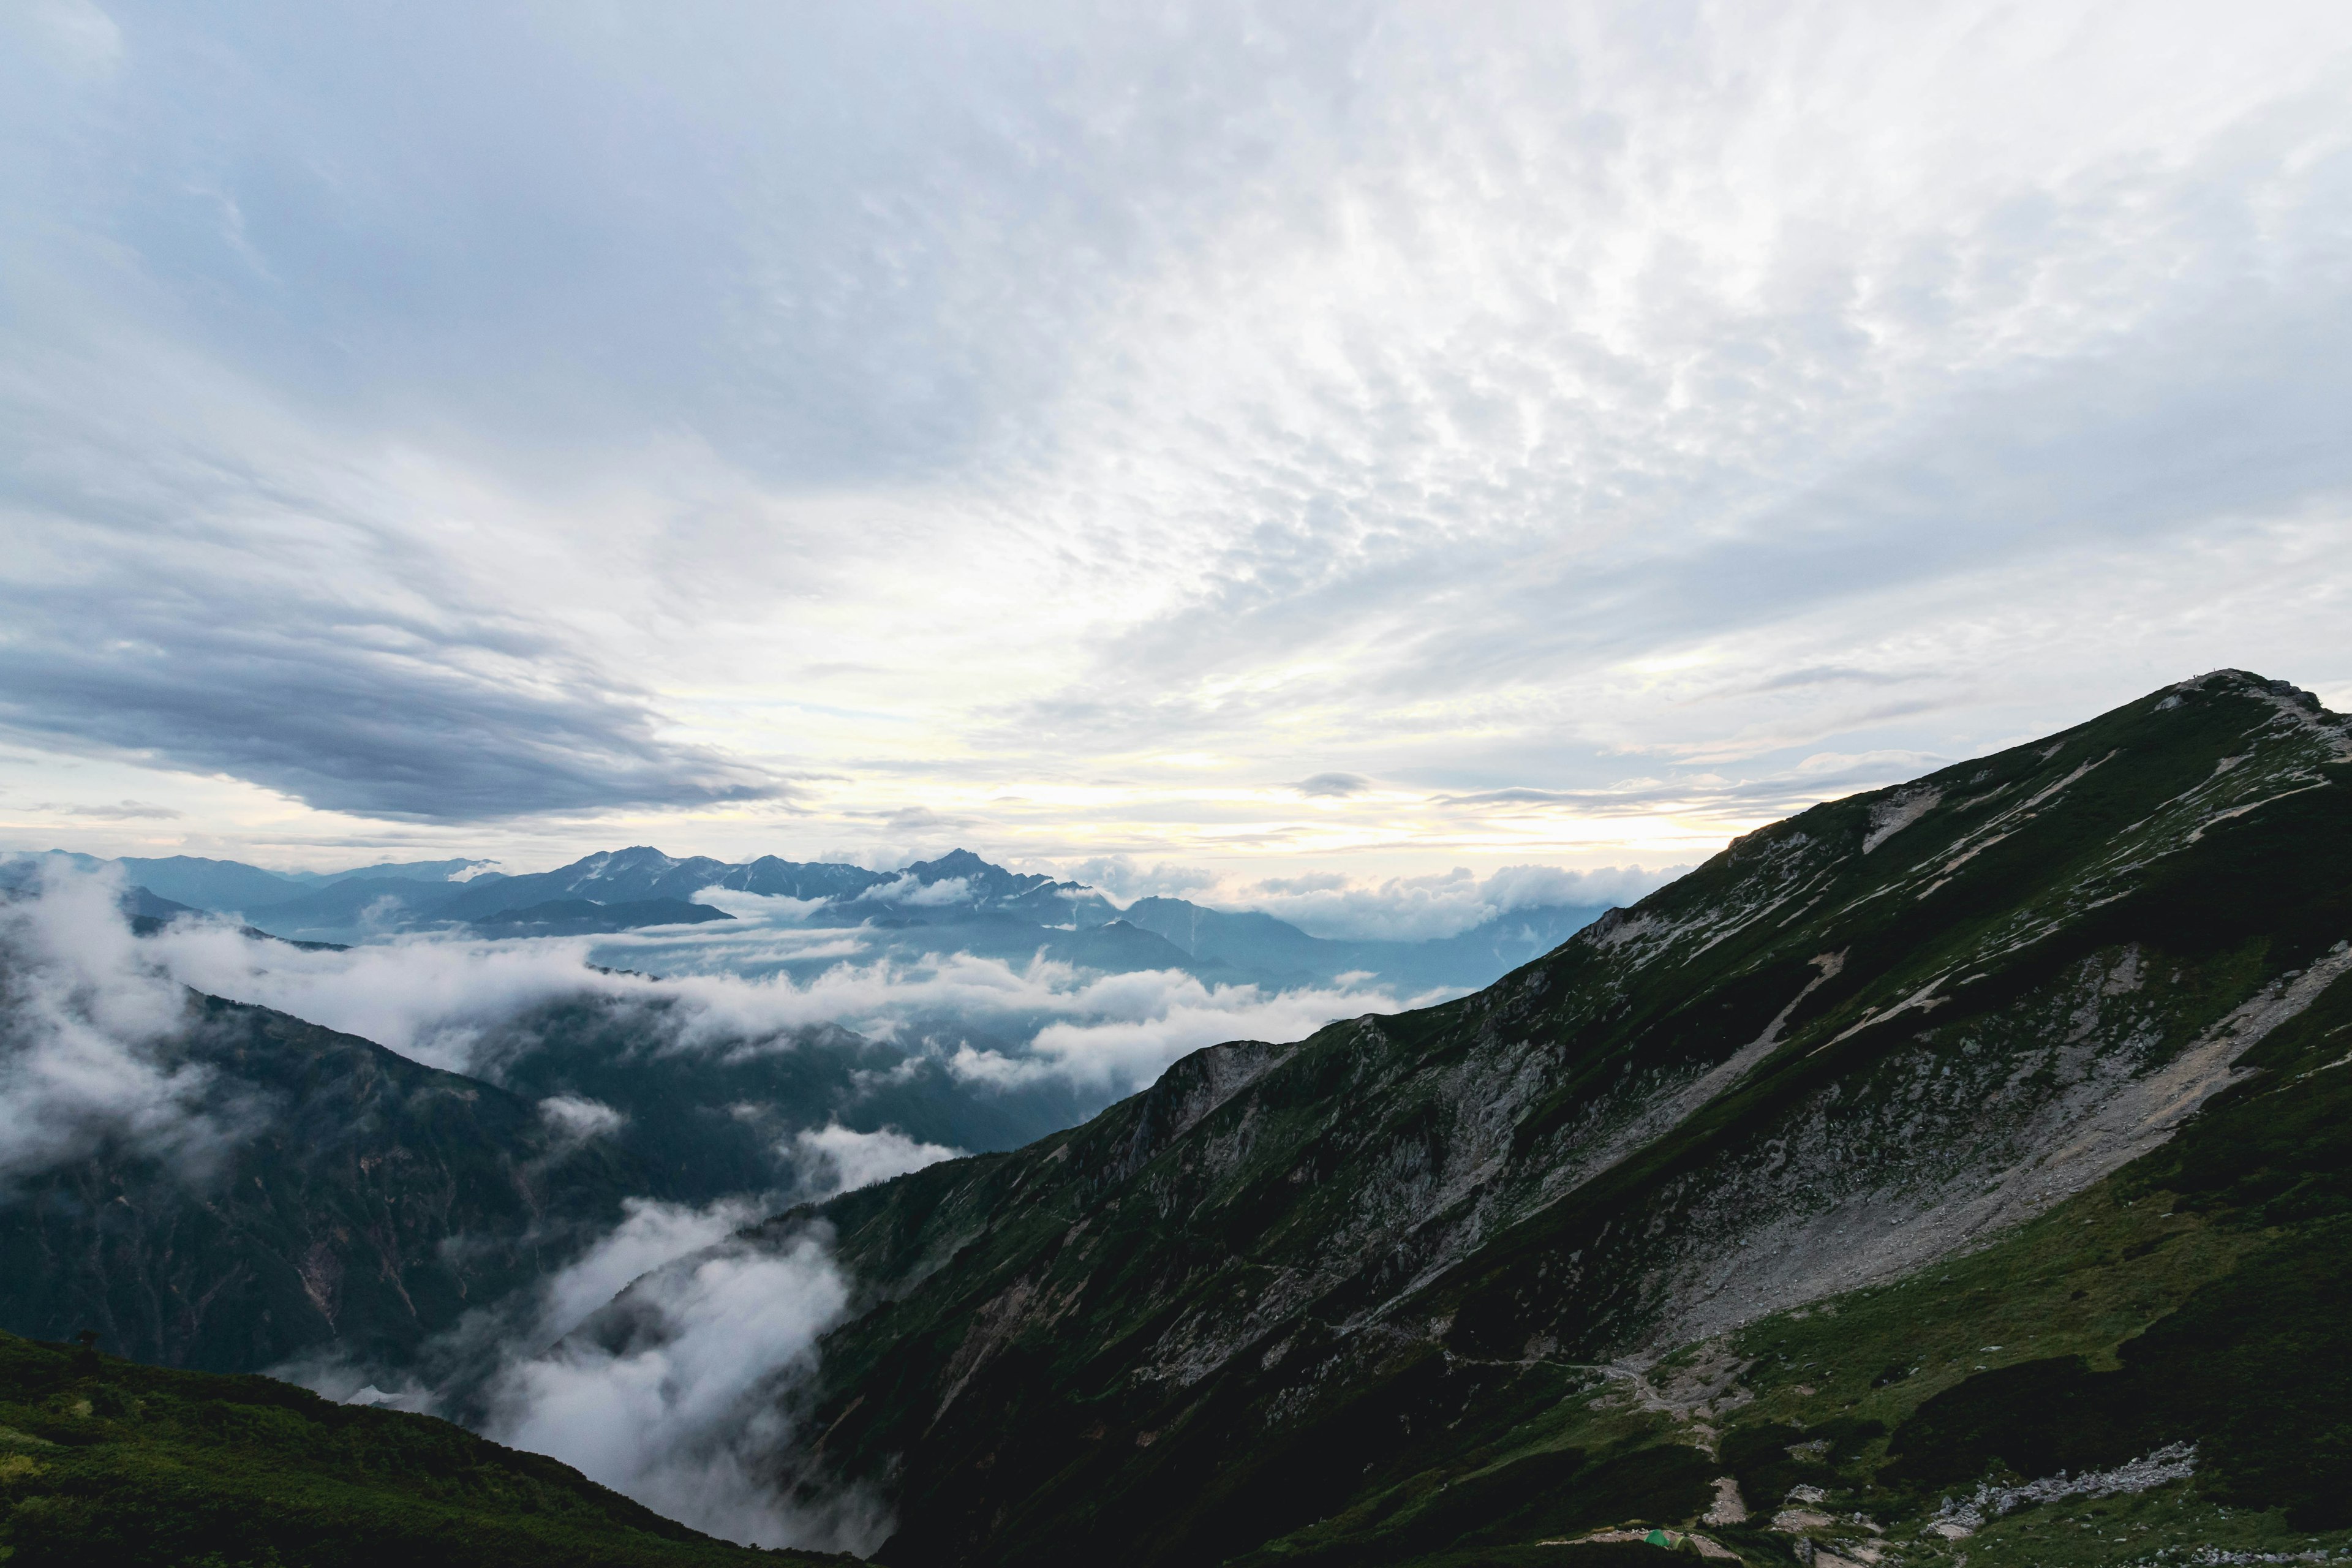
<point>1510,1270</point>
<point>350,1197</point>
<point>329,1196</point>
<point>103,1461</point>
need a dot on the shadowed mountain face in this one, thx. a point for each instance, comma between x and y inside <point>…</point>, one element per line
<point>1356,1298</point>
<point>353,1196</point>
<point>345,1199</point>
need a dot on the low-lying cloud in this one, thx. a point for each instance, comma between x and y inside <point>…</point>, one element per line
<point>833,1159</point>
<point>1135,1025</point>
<point>87,1019</point>
<point>441,1000</point>
<point>676,1394</point>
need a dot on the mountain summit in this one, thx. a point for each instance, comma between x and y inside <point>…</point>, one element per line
<point>1543,1262</point>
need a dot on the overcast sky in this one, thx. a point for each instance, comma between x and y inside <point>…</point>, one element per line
<point>1321,435</point>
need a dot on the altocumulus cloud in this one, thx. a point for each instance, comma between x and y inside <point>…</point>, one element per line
<point>1436,396</point>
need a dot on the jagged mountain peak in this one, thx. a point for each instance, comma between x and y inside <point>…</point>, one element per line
<point>985,877</point>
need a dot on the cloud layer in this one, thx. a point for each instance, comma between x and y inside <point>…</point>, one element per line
<point>1375,434</point>
<point>677,1402</point>
<point>447,1001</point>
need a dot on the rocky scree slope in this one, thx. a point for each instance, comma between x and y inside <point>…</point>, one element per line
<point>1886,1031</point>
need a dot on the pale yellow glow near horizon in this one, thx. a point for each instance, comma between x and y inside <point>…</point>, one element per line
<point>1238,831</point>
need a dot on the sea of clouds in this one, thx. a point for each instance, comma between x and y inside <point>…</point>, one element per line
<point>437,998</point>
<point>656,1360</point>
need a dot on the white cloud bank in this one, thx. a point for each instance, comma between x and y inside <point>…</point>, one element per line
<point>834,1159</point>
<point>677,1402</point>
<point>437,999</point>
<point>87,1018</point>
<point>675,1396</point>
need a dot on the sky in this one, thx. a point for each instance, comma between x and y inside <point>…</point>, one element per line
<point>1347,440</point>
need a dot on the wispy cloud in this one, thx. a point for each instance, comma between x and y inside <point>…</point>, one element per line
<point>120,811</point>
<point>934,421</point>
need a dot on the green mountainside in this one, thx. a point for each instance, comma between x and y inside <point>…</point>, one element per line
<point>105,1462</point>
<point>333,1211</point>
<point>358,1204</point>
<point>1958,1172</point>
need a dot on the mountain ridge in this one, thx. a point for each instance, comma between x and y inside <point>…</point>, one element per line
<point>1682,1122</point>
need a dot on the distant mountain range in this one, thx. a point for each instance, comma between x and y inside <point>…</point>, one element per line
<point>957,902</point>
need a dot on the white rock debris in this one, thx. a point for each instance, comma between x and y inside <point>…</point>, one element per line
<point>1729,1507</point>
<point>1960,1517</point>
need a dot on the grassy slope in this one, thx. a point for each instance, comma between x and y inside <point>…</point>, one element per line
<point>2201,1294</point>
<point>1189,1344</point>
<point>106,1461</point>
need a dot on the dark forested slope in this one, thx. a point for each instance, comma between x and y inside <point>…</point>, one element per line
<point>348,1196</point>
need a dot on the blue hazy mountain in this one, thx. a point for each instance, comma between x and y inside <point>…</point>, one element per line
<point>233,887</point>
<point>1251,941</point>
<point>957,902</point>
<point>584,917</point>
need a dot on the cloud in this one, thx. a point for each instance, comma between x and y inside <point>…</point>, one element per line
<point>920,895</point>
<point>1141,1023</point>
<point>673,1395</point>
<point>1333,785</point>
<point>579,1119</point>
<point>655,1359</point>
<point>381,711</point>
<point>650,1234</point>
<point>833,1159</point>
<point>1822,675</point>
<point>120,811</point>
<point>89,1024</point>
<point>447,1001</point>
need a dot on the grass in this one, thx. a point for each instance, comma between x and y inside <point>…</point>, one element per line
<point>106,1461</point>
